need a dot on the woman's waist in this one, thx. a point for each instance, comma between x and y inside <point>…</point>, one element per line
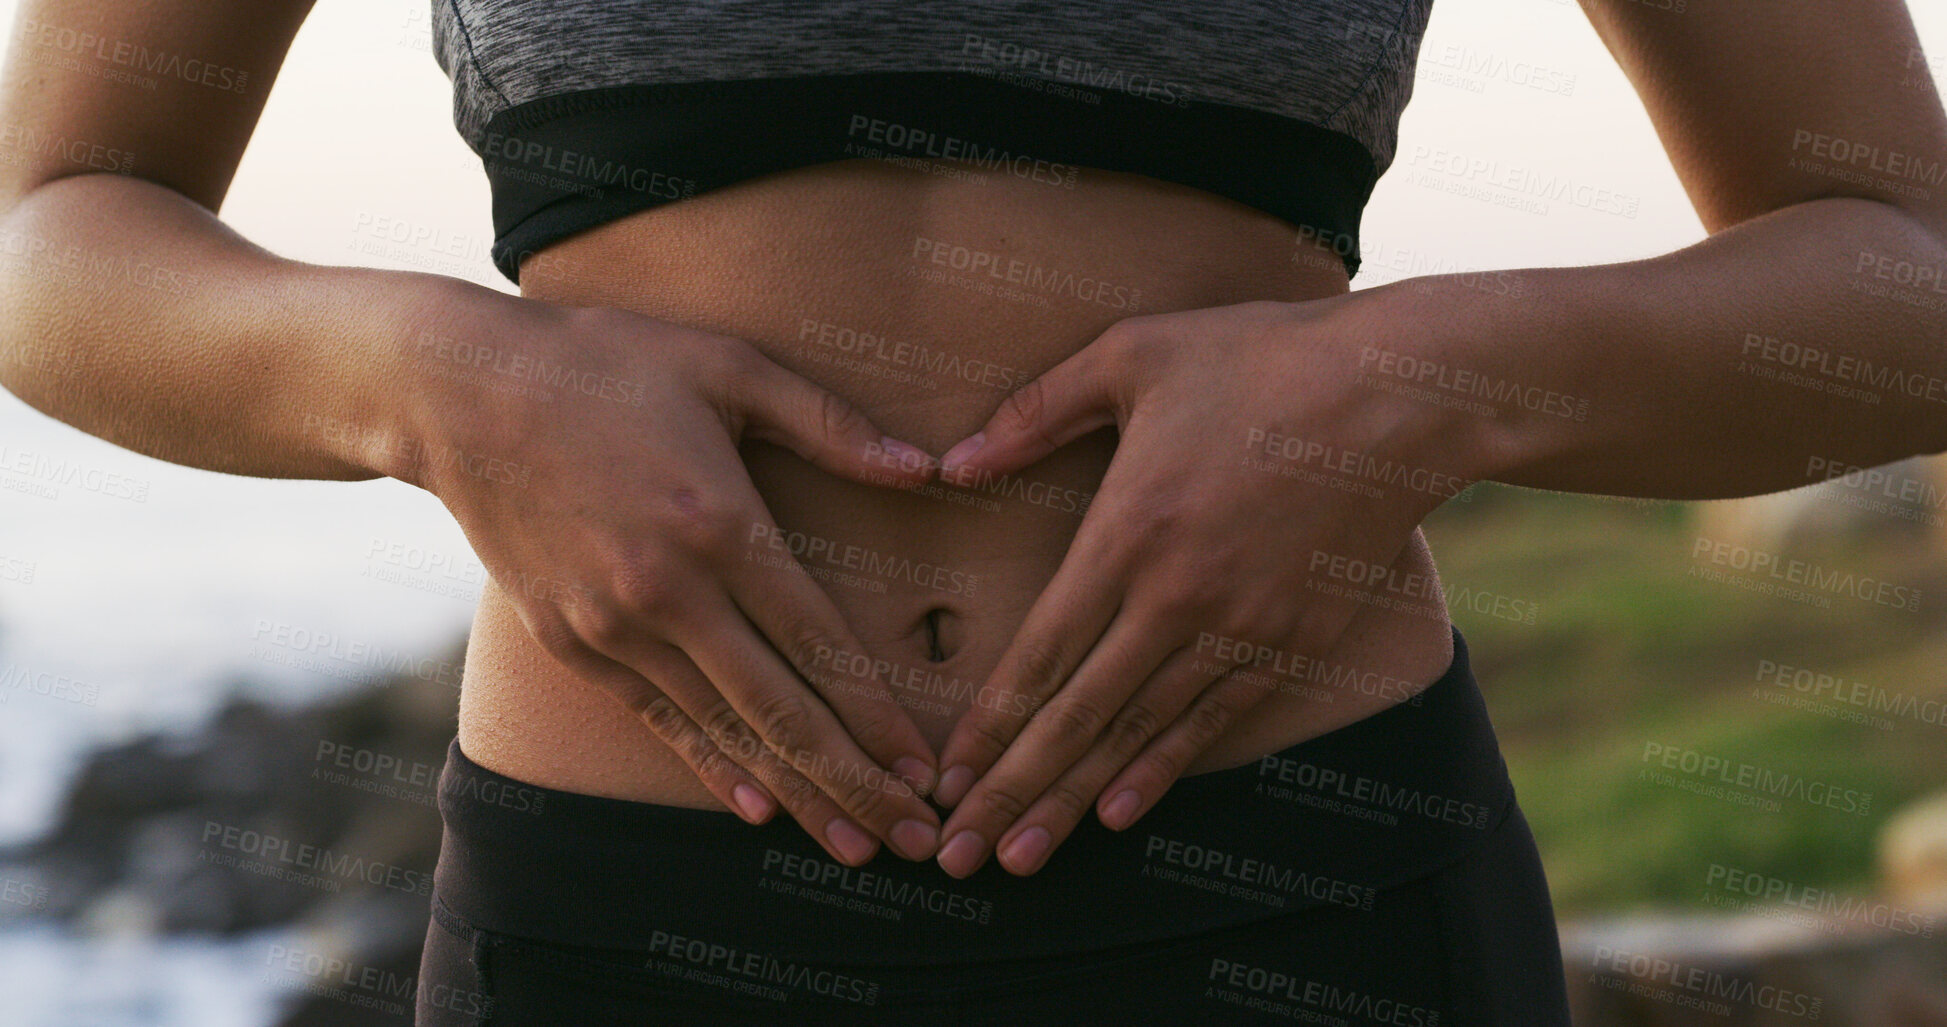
<point>1336,820</point>
<point>931,625</point>
<point>927,300</point>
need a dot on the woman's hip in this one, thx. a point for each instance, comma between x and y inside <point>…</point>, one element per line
<point>1292,858</point>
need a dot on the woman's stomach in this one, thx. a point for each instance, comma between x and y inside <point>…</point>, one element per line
<point>925,300</point>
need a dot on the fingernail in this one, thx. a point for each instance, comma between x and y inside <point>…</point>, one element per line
<point>851,841</point>
<point>755,805</point>
<point>965,450</point>
<point>909,458</point>
<point>916,773</point>
<point>1121,810</point>
<point>1025,853</point>
<point>915,839</point>
<point>954,784</point>
<point>963,853</point>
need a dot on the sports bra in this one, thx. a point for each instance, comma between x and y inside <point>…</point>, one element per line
<point>584,111</point>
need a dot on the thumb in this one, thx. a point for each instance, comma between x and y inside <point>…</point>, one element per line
<point>829,432</point>
<point>1073,398</point>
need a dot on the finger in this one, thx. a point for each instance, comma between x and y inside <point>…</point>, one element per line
<point>1060,629</point>
<point>1073,398</point>
<point>732,742</point>
<point>1059,734</point>
<point>752,685</point>
<point>735,787</point>
<point>1025,847</point>
<point>686,688</point>
<point>827,431</point>
<point>803,625</point>
<point>1136,790</point>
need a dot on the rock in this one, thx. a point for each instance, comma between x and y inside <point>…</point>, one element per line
<point>254,824</point>
<point>1767,968</point>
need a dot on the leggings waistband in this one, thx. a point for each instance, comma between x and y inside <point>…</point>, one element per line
<point>1330,821</point>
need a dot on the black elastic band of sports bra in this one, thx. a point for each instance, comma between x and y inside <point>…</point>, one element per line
<point>1332,821</point>
<point>567,163</point>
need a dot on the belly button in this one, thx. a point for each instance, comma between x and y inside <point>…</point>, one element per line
<point>942,634</point>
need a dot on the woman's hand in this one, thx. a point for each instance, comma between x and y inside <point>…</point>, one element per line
<point>1236,524</point>
<point>590,455</point>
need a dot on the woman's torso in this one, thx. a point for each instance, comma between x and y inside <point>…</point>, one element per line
<point>923,294</point>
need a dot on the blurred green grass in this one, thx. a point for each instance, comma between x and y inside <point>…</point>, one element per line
<point>1627,648</point>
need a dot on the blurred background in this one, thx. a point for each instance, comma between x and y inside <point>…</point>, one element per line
<point>180,648</point>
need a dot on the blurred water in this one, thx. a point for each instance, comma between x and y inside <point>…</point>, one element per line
<point>52,979</point>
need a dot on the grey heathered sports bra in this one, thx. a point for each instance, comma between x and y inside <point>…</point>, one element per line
<point>584,111</point>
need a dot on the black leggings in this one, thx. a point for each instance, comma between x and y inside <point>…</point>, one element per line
<point>1378,875</point>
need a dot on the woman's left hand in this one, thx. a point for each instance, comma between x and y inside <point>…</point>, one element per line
<point>1256,497</point>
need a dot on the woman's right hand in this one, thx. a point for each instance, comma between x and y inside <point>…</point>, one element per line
<point>590,455</point>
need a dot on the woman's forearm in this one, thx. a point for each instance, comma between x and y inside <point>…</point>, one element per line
<point>135,315</point>
<point>1769,356</point>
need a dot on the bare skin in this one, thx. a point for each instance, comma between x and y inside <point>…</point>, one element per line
<point>835,246</point>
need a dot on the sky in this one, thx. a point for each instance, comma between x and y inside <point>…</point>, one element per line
<point>144,601</point>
